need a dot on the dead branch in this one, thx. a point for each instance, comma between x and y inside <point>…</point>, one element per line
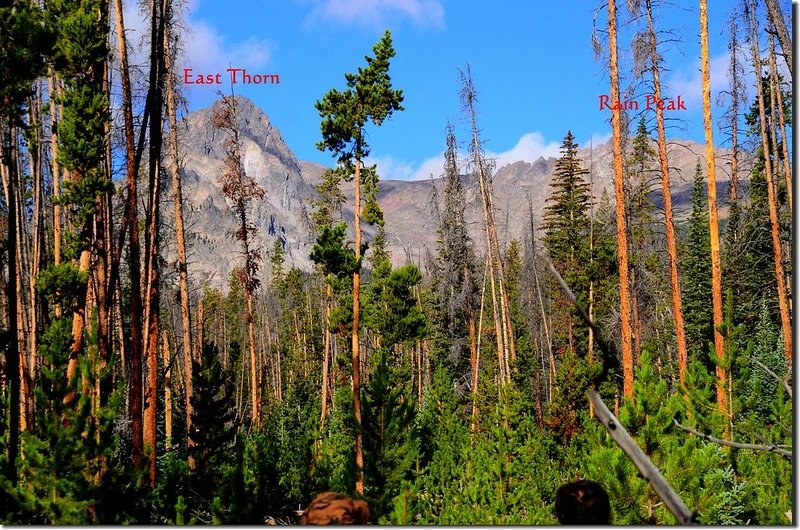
<point>771,448</point>
<point>779,379</point>
<point>650,472</point>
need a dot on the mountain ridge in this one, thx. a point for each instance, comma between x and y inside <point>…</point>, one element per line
<point>285,212</point>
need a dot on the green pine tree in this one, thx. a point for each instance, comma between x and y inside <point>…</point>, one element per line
<point>697,273</point>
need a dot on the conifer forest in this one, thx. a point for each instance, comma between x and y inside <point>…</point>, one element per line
<point>461,383</point>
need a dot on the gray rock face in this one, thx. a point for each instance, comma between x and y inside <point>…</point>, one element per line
<point>285,212</point>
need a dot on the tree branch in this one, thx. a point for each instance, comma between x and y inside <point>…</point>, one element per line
<point>649,471</point>
<point>772,448</point>
<point>779,379</point>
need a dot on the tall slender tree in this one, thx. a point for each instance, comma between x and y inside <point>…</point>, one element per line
<point>506,349</point>
<point>672,245</point>
<point>713,215</point>
<point>783,303</point>
<point>619,195</point>
<point>241,189</point>
<point>131,221</point>
<point>171,40</point>
<point>369,97</point>
<point>152,273</point>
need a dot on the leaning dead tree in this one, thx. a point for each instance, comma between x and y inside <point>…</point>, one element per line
<point>647,469</point>
<point>504,333</point>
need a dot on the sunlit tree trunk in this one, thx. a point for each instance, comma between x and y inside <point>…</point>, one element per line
<point>619,194</point>
<point>8,154</point>
<point>672,244</point>
<point>152,243</point>
<point>786,324</point>
<point>713,216</point>
<point>167,390</point>
<point>354,335</point>
<point>134,253</point>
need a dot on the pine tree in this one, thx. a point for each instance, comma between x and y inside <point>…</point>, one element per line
<point>644,251</point>
<point>565,224</point>
<point>697,271</point>
<point>369,97</point>
<point>213,435</point>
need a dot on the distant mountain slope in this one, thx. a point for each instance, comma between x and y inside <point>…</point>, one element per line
<point>285,213</point>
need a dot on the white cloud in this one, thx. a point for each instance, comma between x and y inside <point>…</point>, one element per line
<point>203,47</point>
<point>528,148</point>
<point>375,13</point>
<point>687,83</point>
<point>210,52</point>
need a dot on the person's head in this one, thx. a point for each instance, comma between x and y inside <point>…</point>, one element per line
<point>331,507</point>
<point>582,502</point>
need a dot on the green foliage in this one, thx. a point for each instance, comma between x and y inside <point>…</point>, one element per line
<point>391,307</point>
<point>390,447</point>
<point>215,449</point>
<point>565,221</point>
<point>334,465</point>
<point>331,254</point>
<point>62,283</point>
<point>25,43</point>
<point>369,97</point>
<point>696,265</point>
<point>72,470</point>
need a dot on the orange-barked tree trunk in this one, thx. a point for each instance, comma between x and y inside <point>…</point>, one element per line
<point>713,216</point>
<point>619,195</point>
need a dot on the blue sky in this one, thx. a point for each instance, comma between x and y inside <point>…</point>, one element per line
<point>532,62</point>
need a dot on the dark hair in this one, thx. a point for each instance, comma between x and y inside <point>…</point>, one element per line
<point>331,507</point>
<point>582,502</point>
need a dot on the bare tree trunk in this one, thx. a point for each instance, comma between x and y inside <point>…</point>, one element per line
<point>255,396</point>
<point>354,335</point>
<point>167,390</point>
<point>619,194</point>
<point>783,303</point>
<point>776,16</point>
<point>716,272</point>
<point>776,104</point>
<point>38,246</point>
<point>9,167</point>
<point>177,194</point>
<point>134,252</point>
<point>477,364</point>
<point>55,90</point>
<point>672,243</point>
<point>504,334</point>
<point>152,273</point>
<point>326,355</point>
<point>736,97</point>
